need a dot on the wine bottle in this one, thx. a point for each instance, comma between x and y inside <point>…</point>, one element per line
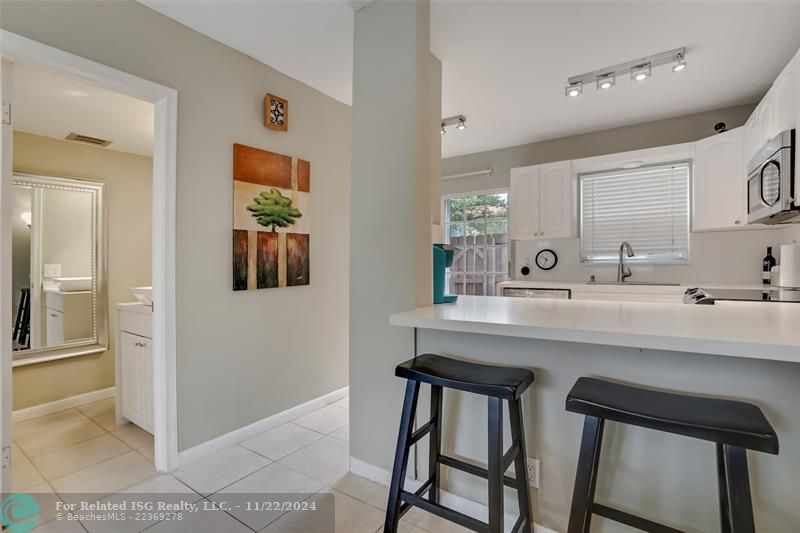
<point>766,267</point>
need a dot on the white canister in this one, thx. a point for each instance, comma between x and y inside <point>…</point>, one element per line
<point>790,266</point>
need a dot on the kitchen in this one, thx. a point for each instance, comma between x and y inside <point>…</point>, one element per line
<point>658,298</point>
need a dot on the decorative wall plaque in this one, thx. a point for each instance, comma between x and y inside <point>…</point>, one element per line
<point>276,112</point>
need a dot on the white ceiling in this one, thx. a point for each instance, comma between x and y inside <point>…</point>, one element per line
<point>505,63</point>
<point>51,105</point>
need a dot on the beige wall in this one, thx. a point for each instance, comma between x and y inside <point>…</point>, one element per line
<point>241,356</point>
<point>129,193</point>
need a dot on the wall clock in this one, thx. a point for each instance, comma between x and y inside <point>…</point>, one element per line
<point>276,112</point>
<point>546,259</point>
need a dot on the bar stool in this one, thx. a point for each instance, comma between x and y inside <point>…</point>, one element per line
<point>498,383</point>
<point>734,426</point>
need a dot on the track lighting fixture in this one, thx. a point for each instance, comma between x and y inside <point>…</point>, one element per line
<point>640,70</point>
<point>680,63</point>
<point>574,90</point>
<point>459,121</point>
<point>606,81</point>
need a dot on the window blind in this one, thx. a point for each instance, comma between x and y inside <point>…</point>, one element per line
<point>647,206</point>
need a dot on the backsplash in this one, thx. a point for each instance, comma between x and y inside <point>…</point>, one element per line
<point>720,257</point>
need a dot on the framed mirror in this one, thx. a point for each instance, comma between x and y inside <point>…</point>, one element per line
<point>60,301</point>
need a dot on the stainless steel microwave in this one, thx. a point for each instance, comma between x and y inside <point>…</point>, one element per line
<point>771,182</point>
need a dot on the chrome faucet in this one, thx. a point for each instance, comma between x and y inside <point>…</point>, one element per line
<point>624,272</point>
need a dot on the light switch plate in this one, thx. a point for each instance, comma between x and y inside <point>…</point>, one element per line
<point>533,472</point>
<point>52,270</point>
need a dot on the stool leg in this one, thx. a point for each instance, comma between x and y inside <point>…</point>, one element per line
<point>739,500</point>
<point>520,463</point>
<point>580,514</point>
<point>495,469</point>
<point>401,456</point>
<point>722,484</point>
<point>435,443</point>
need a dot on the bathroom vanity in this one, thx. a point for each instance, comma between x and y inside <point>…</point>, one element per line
<point>134,365</point>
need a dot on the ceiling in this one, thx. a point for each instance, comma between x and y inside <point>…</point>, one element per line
<point>53,106</point>
<point>505,63</point>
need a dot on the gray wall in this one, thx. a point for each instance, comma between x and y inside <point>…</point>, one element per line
<point>240,356</point>
<point>648,135</point>
<point>394,152</point>
<point>663,477</point>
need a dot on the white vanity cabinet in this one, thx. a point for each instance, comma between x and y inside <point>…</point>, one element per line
<point>134,365</point>
<point>68,316</point>
<point>540,201</point>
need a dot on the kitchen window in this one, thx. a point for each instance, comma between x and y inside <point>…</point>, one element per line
<point>646,206</point>
<point>477,227</point>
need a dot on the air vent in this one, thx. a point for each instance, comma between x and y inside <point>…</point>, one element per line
<point>86,139</point>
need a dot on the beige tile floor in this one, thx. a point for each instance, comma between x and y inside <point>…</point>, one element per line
<point>82,450</point>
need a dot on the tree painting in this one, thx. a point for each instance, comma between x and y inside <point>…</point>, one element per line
<point>272,209</point>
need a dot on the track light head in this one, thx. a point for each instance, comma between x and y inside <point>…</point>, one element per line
<point>680,64</point>
<point>462,124</point>
<point>574,90</point>
<point>641,72</point>
<point>606,81</point>
<point>443,130</point>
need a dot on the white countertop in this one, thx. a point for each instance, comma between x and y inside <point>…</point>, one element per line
<point>136,307</point>
<point>739,329</point>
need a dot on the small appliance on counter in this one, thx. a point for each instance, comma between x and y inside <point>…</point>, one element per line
<point>442,259</point>
<point>699,296</point>
<point>789,271</point>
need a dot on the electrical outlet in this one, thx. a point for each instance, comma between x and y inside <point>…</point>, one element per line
<point>533,472</point>
<point>52,270</point>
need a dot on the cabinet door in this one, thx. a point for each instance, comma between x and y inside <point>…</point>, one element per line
<point>719,182</point>
<point>782,112</point>
<point>146,385</point>
<point>131,371</point>
<point>524,203</point>
<point>54,327</point>
<point>555,204</point>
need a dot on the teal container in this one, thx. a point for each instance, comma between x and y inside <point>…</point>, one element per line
<point>442,258</point>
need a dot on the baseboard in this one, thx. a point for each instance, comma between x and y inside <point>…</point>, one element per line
<point>448,499</point>
<point>60,405</point>
<point>238,435</point>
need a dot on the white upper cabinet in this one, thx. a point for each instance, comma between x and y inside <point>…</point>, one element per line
<point>719,182</point>
<point>555,181</point>
<point>779,110</point>
<point>541,201</point>
<point>524,203</point>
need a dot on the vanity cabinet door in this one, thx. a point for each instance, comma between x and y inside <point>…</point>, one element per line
<point>54,327</point>
<point>137,380</point>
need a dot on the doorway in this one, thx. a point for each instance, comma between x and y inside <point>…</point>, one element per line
<point>22,52</point>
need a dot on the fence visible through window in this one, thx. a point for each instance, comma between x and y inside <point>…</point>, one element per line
<point>477,227</point>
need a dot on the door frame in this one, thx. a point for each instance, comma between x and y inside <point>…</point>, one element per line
<point>19,49</point>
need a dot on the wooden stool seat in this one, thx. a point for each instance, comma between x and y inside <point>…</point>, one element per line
<point>734,426</point>
<point>489,380</point>
<point>498,384</point>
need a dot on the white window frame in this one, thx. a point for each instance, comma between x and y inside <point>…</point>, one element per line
<point>482,192</point>
<point>688,161</point>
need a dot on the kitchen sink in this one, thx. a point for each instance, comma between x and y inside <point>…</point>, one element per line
<point>622,283</point>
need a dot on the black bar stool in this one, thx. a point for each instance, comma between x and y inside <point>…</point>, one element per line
<point>498,383</point>
<point>734,426</point>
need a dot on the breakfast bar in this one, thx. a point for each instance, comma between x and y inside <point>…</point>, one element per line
<point>727,350</point>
